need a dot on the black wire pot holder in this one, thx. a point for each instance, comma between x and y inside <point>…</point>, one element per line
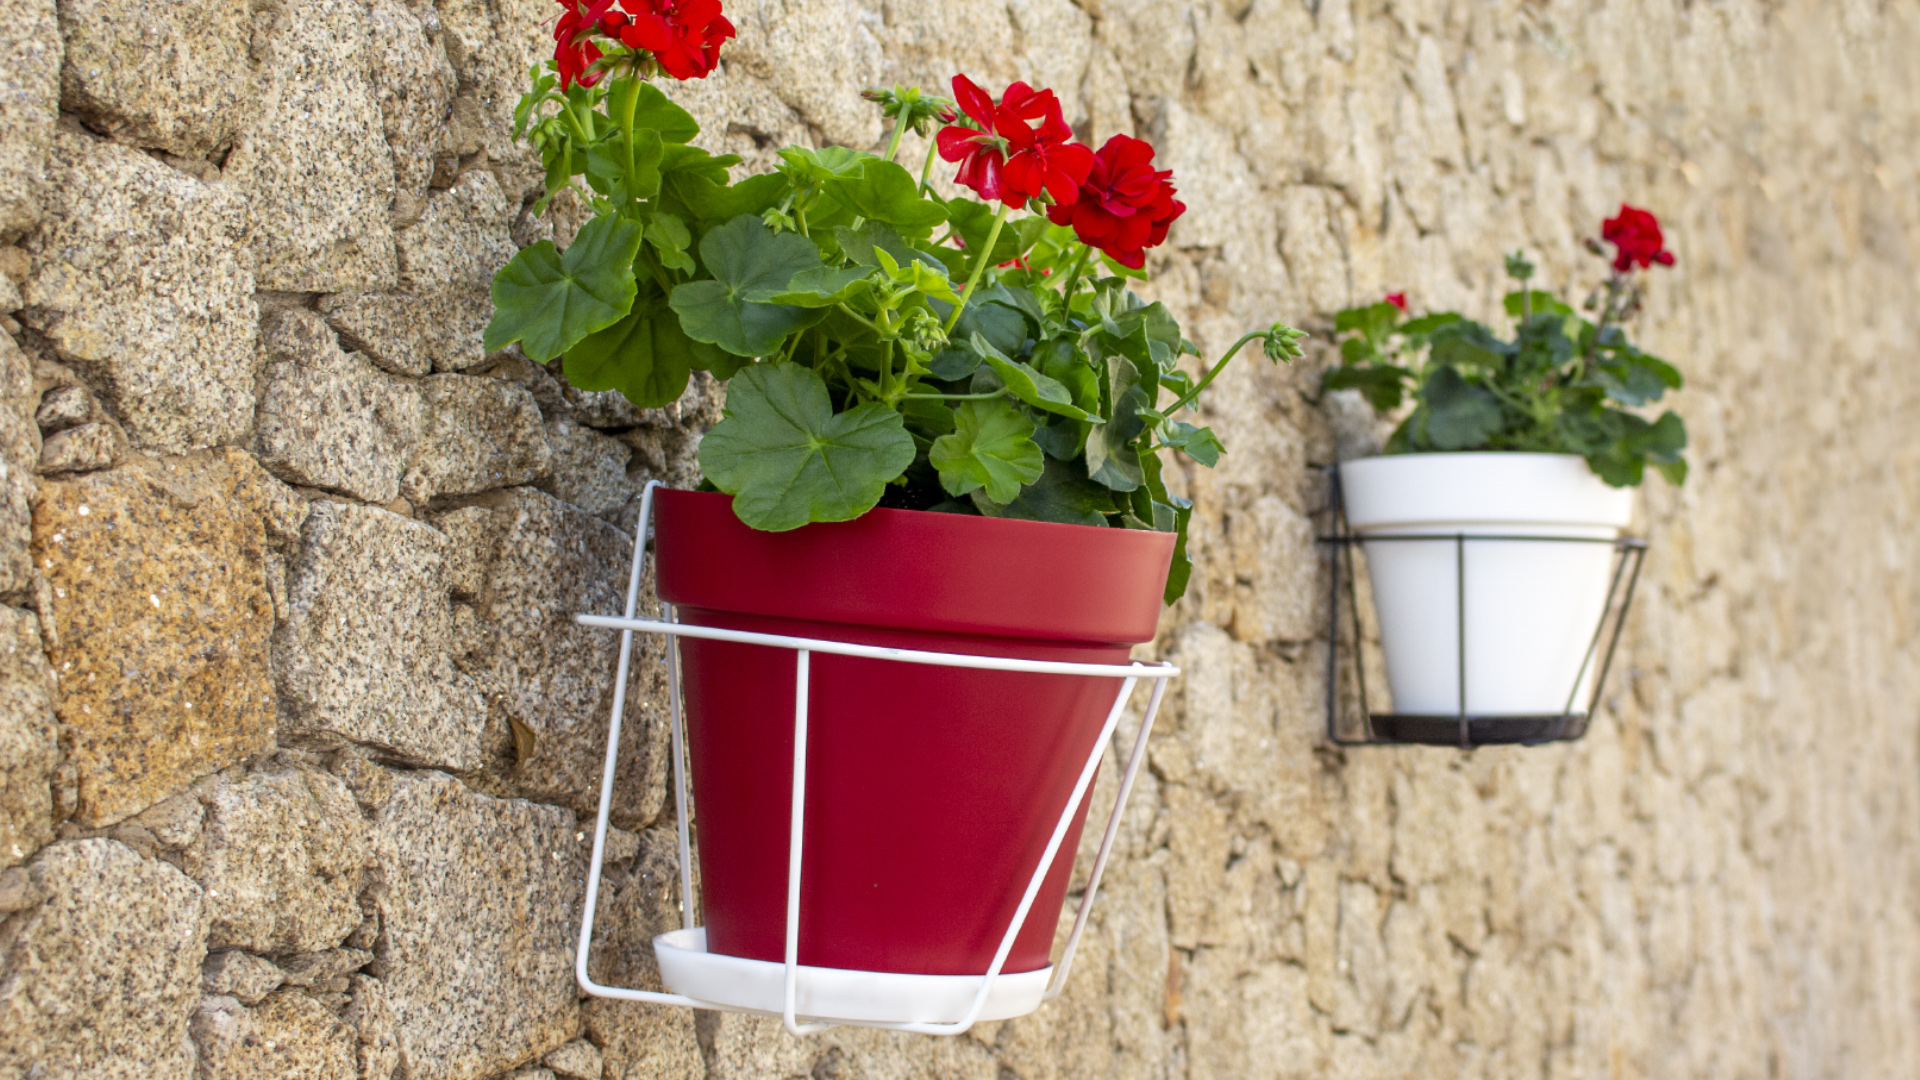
<point>1461,728</point>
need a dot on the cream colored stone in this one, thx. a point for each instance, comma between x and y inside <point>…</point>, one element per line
<point>29,747</point>
<point>329,420</point>
<point>29,106</point>
<point>174,76</point>
<point>480,433</point>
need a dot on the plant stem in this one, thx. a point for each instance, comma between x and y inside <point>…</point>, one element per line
<point>899,129</point>
<point>926,170</point>
<point>957,397</point>
<point>863,320</point>
<point>979,265</point>
<point>1187,398</point>
<point>1073,274</point>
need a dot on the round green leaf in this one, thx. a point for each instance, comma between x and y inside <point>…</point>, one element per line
<point>787,458</point>
<point>750,264</point>
<point>548,301</point>
<point>991,447</point>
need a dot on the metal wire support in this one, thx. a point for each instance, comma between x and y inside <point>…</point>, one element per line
<point>629,624</point>
<point>1461,728</point>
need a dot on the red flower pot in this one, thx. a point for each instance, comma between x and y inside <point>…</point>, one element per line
<point>931,791</point>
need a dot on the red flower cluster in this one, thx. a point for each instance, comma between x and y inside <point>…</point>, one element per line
<point>1006,158</point>
<point>1113,199</point>
<point>684,36</point>
<point>1635,236</point>
<point>1399,300</point>
<point>1124,207</point>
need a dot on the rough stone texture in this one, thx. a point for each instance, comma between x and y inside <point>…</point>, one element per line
<point>1719,882</point>
<point>159,624</point>
<point>29,747</point>
<point>363,646</point>
<point>289,1036</point>
<point>547,562</point>
<point>174,76</point>
<point>29,108</point>
<point>314,164</point>
<point>283,857</point>
<point>80,449</point>
<point>480,433</point>
<point>142,281</point>
<point>328,419</point>
<point>242,976</point>
<point>100,979</point>
<point>578,1060</point>
<point>477,954</point>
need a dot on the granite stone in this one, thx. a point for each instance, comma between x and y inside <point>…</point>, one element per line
<point>414,87</point>
<point>589,468</point>
<point>143,283</point>
<point>480,433</point>
<point>240,975</point>
<point>314,163</point>
<point>363,649</point>
<point>159,624</point>
<point>175,76</point>
<point>477,954</point>
<point>449,257</point>
<point>80,449</point>
<point>327,418</point>
<point>18,457</point>
<point>29,746</point>
<point>577,1060</point>
<point>29,108</point>
<point>289,1036</point>
<point>101,977</point>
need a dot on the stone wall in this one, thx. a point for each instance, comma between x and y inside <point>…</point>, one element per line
<point>298,746</point>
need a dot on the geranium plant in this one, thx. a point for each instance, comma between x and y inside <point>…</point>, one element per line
<point>882,346</point>
<point>1561,384</point>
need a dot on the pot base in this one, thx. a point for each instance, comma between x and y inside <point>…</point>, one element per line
<point>837,994</point>
<point>1481,730</point>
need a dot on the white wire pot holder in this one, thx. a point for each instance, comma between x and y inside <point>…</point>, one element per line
<point>810,999</point>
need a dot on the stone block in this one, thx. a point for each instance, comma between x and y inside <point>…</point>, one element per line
<point>372,1017</point>
<point>644,1042</point>
<point>480,433</point>
<point>589,469</point>
<point>411,335</point>
<point>314,163</point>
<point>160,624</point>
<point>577,1060</point>
<point>63,407</point>
<point>553,677</point>
<point>289,1036</point>
<point>81,449</point>
<point>29,106</point>
<point>328,419</point>
<point>18,456</point>
<point>172,75</point>
<point>461,239</point>
<point>283,857</point>
<point>29,749</point>
<point>414,86</point>
<point>477,957</point>
<point>364,646</point>
<point>142,281</point>
<point>100,979</point>
<point>240,975</point>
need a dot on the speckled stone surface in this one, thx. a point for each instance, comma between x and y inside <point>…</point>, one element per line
<point>19,453</point>
<point>170,74</point>
<point>142,278</point>
<point>577,1060</point>
<point>29,746</point>
<point>29,107</point>
<point>314,164</point>
<point>240,975</point>
<point>101,978</point>
<point>589,468</point>
<point>363,651</point>
<point>553,677</point>
<point>160,624</point>
<point>329,419</point>
<point>479,952</point>
<point>480,433</point>
<point>414,86</point>
<point>449,259</point>
<point>408,334</point>
<point>289,1036</point>
<point>282,857</point>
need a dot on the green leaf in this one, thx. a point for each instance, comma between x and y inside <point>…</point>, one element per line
<point>645,356</point>
<point>1063,494</point>
<point>991,447</point>
<point>668,235</point>
<point>1198,443</point>
<point>1029,385</point>
<point>886,192</point>
<point>824,286</point>
<point>656,111</point>
<point>787,458</point>
<point>1543,302</point>
<point>750,265</point>
<point>1459,415</point>
<point>973,220</point>
<point>1383,385</point>
<point>698,196</point>
<point>858,245</point>
<point>826,163</point>
<point>1112,458</point>
<point>548,301</point>
<point>1467,344</point>
<point>1181,571</point>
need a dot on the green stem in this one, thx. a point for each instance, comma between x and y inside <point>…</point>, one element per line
<point>800,218</point>
<point>899,129</point>
<point>979,265</point>
<point>863,320</point>
<point>1187,398</point>
<point>886,369</point>
<point>926,170</point>
<point>956,397</point>
<point>1073,275</point>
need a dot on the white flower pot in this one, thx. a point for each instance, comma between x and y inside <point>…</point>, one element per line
<point>1531,605</point>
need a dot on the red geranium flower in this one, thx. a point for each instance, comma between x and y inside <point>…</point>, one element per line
<point>1636,238</point>
<point>1399,300</point>
<point>1124,206</point>
<point>1006,159</point>
<point>684,36</point>
<point>574,51</point>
